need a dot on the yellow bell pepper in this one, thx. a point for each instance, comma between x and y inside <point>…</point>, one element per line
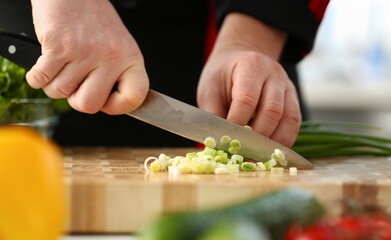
<point>32,193</point>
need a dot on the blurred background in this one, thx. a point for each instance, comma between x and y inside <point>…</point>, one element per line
<point>347,76</point>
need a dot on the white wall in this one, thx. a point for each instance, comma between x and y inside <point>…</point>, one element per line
<point>347,77</point>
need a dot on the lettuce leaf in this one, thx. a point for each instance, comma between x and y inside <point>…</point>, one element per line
<point>13,88</point>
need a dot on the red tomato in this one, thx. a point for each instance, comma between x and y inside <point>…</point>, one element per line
<point>368,227</point>
<point>320,231</point>
<point>362,227</point>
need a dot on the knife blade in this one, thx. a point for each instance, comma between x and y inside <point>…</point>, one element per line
<point>170,114</point>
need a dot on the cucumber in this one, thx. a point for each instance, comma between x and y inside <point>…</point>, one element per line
<point>275,211</point>
<point>236,229</point>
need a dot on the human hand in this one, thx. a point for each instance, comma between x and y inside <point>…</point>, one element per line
<point>249,88</point>
<point>86,49</point>
<point>243,82</point>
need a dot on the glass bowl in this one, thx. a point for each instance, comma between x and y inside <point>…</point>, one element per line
<point>37,113</point>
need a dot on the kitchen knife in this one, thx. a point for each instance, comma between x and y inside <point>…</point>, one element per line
<point>170,114</point>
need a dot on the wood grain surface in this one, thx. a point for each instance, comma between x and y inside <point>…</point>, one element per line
<point>109,191</point>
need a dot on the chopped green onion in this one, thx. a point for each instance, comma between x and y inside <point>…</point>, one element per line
<point>277,170</point>
<point>175,161</point>
<point>218,159</point>
<point>210,142</point>
<point>222,170</point>
<point>192,155</point>
<point>269,164</point>
<point>292,171</point>
<point>235,168</point>
<point>208,167</point>
<point>208,157</point>
<point>225,140</point>
<point>311,142</point>
<point>174,170</point>
<point>233,150</point>
<point>185,168</point>
<point>237,158</point>
<point>210,151</point>
<point>230,162</point>
<point>222,155</point>
<point>236,144</point>
<point>210,160</point>
<point>261,166</point>
<point>279,153</point>
<point>221,159</point>
<point>149,159</point>
<point>248,127</point>
<point>281,159</point>
<point>282,162</point>
<point>248,166</point>
<point>163,157</point>
<point>197,168</point>
<point>185,161</point>
<point>274,156</point>
<point>156,166</point>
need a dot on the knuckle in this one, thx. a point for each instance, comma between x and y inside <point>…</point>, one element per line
<point>60,91</point>
<point>134,101</point>
<point>278,70</point>
<point>66,47</point>
<point>70,47</point>
<point>255,57</point>
<point>67,41</point>
<point>114,51</point>
<point>38,78</point>
<point>246,100</point>
<point>273,111</point>
<point>277,67</point>
<point>51,94</point>
<point>294,118</point>
<point>86,107</point>
<point>253,60</point>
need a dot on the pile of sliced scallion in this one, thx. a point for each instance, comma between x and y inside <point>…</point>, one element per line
<point>216,161</point>
<point>316,140</point>
<point>213,161</point>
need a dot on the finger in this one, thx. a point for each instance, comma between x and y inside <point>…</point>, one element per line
<point>212,99</point>
<point>45,70</point>
<point>246,91</point>
<point>132,89</point>
<point>270,109</point>
<point>69,79</point>
<point>289,126</point>
<point>94,90</point>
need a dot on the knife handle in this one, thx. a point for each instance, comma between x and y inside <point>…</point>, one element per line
<point>20,49</point>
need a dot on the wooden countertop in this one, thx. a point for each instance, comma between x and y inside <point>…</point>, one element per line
<point>109,191</point>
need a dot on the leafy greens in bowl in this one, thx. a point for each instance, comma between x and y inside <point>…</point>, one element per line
<point>23,105</point>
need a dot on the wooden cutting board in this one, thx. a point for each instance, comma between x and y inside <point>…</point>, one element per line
<point>109,191</point>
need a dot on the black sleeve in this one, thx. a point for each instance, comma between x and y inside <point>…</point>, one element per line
<point>299,18</point>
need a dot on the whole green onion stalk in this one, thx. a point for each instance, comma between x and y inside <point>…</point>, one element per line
<point>316,141</point>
